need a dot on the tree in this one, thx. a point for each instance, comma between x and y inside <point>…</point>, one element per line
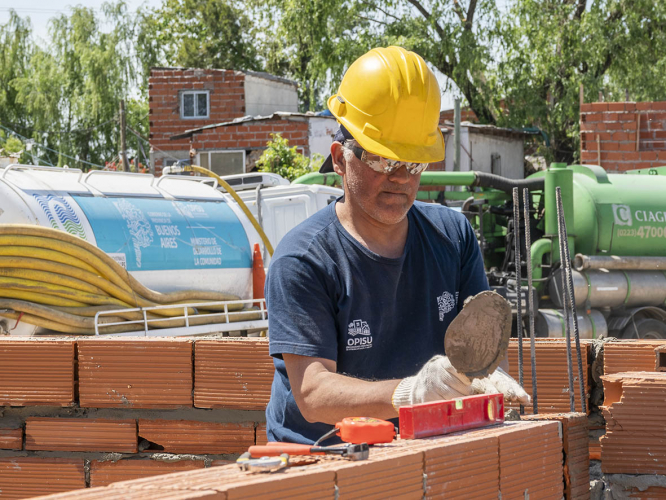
<point>72,87</point>
<point>520,65</point>
<point>286,161</point>
<point>199,34</point>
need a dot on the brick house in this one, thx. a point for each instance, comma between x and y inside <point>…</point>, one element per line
<point>226,117</point>
<point>622,136</point>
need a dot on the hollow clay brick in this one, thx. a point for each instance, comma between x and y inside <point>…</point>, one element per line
<point>135,373</point>
<point>260,434</point>
<point>11,439</point>
<point>630,356</point>
<point>552,377</point>
<point>24,477</point>
<point>186,436</point>
<point>103,493</point>
<point>81,434</point>
<point>105,473</point>
<point>634,405</point>
<point>575,448</point>
<point>36,372</point>
<point>232,373</point>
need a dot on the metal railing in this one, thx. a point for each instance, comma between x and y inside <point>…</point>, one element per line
<point>226,323</point>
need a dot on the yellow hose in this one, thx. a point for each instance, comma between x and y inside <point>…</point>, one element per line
<point>58,281</point>
<point>237,199</point>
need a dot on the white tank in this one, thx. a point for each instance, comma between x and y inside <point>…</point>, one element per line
<point>171,233</point>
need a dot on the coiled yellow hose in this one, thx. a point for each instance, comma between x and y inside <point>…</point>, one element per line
<point>52,279</point>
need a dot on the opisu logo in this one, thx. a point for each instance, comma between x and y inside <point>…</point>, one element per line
<point>359,331</point>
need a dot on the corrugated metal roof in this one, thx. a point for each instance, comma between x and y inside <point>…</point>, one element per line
<point>278,115</point>
<point>135,373</point>
<point>36,371</point>
<point>232,373</point>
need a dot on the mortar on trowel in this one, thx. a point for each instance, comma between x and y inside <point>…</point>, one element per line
<point>477,339</point>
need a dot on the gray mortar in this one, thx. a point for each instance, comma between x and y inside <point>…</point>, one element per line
<point>18,414</point>
<point>114,457</point>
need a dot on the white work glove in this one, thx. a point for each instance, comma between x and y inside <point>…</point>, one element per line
<point>501,381</point>
<point>436,381</point>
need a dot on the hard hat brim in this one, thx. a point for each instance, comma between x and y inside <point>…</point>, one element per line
<point>394,150</point>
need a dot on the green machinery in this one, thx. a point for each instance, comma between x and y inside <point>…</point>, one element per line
<point>617,238</point>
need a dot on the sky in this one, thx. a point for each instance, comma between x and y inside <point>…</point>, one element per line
<point>40,11</point>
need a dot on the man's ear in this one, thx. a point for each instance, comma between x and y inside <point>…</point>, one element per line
<point>339,163</point>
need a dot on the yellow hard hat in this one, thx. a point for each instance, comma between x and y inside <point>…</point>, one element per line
<point>389,101</point>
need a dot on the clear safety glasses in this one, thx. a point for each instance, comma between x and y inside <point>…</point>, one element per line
<point>384,165</point>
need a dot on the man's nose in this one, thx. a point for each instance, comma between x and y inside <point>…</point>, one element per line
<point>400,175</point>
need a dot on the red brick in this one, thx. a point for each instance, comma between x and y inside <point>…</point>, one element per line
<point>24,477</point>
<point>629,146</point>
<point>643,106</point>
<point>11,439</point>
<point>648,155</point>
<point>635,156</point>
<point>135,373</point>
<point>105,473</point>
<point>598,107</point>
<point>183,436</point>
<point>616,106</point>
<point>80,434</point>
<point>36,372</point>
<point>260,434</point>
<point>659,105</point>
<point>232,373</point>
<point>622,136</point>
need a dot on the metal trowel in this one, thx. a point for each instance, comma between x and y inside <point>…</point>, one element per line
<point>477,339</point>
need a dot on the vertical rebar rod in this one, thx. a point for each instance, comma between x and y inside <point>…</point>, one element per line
<point>519,298</point>
<point>561,230</point>
<point>530,296</point>
<point>566,258</point>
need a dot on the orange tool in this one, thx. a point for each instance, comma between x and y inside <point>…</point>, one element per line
<point>362,430</point>
<point>273,449</point>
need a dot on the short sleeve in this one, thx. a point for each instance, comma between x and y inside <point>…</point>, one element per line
<point>300,296</point>
<point>472,273</point>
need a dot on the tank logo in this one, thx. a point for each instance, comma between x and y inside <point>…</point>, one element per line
<point>445,304</point>
<point>61,215</point>
<point>359,327</point>
<point>139,227</point>
<point>622,214</point>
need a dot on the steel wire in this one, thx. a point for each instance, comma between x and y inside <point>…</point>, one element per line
<point>519,287</point>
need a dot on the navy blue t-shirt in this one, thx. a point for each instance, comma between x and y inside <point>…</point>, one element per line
<point>378,318</point>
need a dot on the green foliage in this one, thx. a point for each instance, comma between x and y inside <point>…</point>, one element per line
<point>200,34</point>
<point>286,161</point>
<point>12,145</point>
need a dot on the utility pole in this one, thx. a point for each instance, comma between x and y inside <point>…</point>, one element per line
<point>456,135</point>
<point>123,142</point>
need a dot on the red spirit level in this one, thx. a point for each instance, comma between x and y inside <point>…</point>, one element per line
<point>444,417</point>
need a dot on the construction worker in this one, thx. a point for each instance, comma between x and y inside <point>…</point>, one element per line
<point>360,294</point>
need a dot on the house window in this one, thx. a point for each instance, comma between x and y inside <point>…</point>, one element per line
<point>223,162</point>
<point>194,104</point>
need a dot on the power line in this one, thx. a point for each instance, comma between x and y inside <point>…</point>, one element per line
<point>49,149</point>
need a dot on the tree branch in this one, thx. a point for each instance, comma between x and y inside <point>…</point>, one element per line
<point>386,13</point>
<point>469,20</point>
<point>428,17</point>
<point>373,20</point>
<point>459,11</point>
<point>580,8</point>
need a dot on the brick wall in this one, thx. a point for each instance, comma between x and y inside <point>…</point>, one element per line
<point>623,135</point>
<point>253,135</point>
<point>227,101</point>
<point>466,115</point>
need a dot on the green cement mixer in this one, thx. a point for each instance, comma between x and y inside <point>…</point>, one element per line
<point>617,237</point>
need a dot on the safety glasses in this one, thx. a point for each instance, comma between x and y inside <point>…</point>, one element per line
<point>384,165</point>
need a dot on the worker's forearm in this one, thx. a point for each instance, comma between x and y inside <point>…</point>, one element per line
<point>336,396</point>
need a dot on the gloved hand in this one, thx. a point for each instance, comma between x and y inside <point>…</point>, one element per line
<point>436,381</point>
<point>501,381</point>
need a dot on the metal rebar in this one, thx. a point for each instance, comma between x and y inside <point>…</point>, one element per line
<point>519,311</point>
<point>530,297</point>
<point>561,233</point>
<point>574,314</point>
